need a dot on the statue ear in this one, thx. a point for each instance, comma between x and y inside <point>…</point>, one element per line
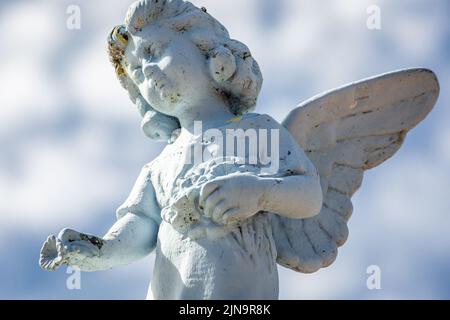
<point>222,64</point>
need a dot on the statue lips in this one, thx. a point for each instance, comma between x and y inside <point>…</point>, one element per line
<point>160,84</point>
<point>156,78</point>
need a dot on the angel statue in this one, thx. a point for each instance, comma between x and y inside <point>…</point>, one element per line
<point>223,205</point>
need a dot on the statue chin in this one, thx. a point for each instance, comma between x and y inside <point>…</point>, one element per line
<point>160,127</point>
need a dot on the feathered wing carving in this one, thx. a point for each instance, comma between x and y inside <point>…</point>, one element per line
<point>345,132</point>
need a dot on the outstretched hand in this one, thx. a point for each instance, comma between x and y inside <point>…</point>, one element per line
<point>70,247</point>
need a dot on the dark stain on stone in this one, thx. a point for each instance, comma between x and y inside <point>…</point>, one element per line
<point>92,239</point>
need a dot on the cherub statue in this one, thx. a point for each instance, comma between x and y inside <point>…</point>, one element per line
<point>220,225</point>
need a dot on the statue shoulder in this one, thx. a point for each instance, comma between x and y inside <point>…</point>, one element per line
<point>262,121</point>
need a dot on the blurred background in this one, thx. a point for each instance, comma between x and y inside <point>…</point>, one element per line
<point>71,145</point>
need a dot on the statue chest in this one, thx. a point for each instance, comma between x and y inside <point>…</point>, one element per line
<point>178,178</point>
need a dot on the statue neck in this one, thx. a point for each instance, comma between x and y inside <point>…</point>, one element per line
<point>211,112</point>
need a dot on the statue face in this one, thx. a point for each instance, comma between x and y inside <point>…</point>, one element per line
<point>169,70</point>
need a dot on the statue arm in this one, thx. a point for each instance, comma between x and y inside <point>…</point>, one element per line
<point>296,196</point>
<point>238,196</point>
<point>296,192</point>
<point>131,238</point>
<point>292,189</point>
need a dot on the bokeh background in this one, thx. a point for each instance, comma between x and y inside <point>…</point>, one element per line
<point>71,145</point>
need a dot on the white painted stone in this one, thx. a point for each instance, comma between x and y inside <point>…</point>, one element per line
<point>220,225</point>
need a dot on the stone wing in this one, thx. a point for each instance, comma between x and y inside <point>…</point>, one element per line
<point>345,132</point>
